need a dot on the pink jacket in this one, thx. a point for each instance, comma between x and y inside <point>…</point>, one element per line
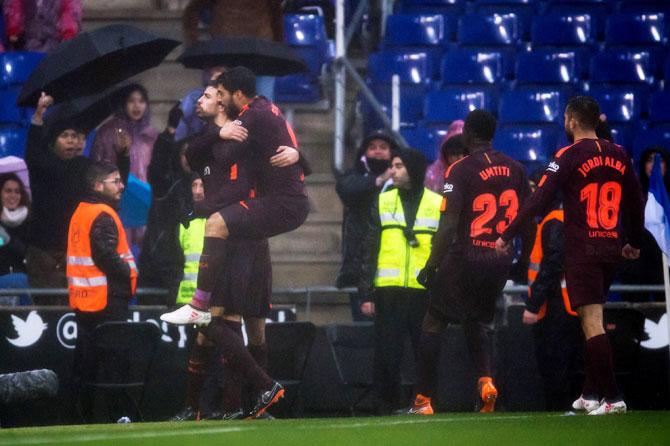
<point>42,23</point>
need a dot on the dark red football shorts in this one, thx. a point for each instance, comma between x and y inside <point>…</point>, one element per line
<point>265,217</point>
<point>588,283</point>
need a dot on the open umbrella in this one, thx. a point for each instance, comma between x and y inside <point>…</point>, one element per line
<point>87,111</point>
<point>263,57</point>
<point>93,61</point>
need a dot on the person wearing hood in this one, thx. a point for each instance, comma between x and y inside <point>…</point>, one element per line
<point>450,151</point>
<point>399,239</point>
<point>358,188</point>
<point>101,271</point>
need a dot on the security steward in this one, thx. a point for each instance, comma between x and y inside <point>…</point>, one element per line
<point>101,271</point>
<point>556,328</point>
<point>399,240</point>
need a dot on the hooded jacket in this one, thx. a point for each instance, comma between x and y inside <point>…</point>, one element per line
<point>358,192</point>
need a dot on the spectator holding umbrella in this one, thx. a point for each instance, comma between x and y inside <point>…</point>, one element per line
<point>14,210</point>
<point>40,25</point>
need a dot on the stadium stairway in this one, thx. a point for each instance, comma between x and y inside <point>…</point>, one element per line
<point>307,256</point>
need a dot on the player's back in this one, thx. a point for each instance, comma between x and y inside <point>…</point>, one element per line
<point>593,186</point>
<point>490,186</point>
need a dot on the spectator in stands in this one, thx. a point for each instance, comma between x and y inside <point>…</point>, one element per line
<point>358,188</point>
<point>398,242</point>
<point>40,25</point>
<point>161,259</point>
<point>129,129</point>
<point>648,268</point>
<point>455,150</point>
<point>238,18</point>
<point>15,207</point>
<point>190,124</point>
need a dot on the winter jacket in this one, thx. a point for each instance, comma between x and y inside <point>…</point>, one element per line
<point>42,24</point>
<point>13,254</point>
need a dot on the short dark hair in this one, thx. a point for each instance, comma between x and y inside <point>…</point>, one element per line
<point>239,78</point>
<point>11,176</point>
<point>454,146</point>
<point>480,124</point>
<point>98,171</point>
<point>585,110</point>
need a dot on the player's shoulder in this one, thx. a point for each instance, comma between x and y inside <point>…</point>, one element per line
<point>616,149</point>
<point>503,158</point>
<point>457,166</point>
<point>567,151</point>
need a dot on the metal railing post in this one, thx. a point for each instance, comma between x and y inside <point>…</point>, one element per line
<point>340,86</point>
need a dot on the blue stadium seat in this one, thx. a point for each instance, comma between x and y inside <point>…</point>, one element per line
<point>523,9</point>
<point>415,30</point>
<point>429,5</point>
<point>488,29</point>
<point>544,66</point>
<point>656,136</point>
<point>413,68</point>
<point>621,66</point>
<point>619,104</point>
<point>635,29</point>
<point>298,88</point>
<point>472,67</point>
<point>306,33</point>
<point>527,143</point>
<point>622,134</point>
<point>411,102</point>
<point>13,141</point>
<point>562,30</point>
<point>659,107</point>
<point>598,11</point>
<point>531,106</point>
<point>455,103</point>
<point>645,7</point>
<point>16,66</point>
<point>9,112</point>
<point>426,139</point>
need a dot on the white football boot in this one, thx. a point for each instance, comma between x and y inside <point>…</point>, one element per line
<point>187,315</point>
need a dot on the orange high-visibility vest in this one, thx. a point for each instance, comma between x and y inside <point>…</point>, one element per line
<point>87,284</point>
<point>536,259</point>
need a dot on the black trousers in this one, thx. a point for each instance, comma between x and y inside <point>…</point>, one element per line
<point>399,313</point>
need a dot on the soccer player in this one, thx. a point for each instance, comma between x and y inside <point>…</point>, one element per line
<point>604,221</point>
<point>464,274</point>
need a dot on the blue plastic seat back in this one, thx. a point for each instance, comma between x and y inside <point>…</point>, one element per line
<point>415,30</point>
<point>9,112</point>
<point>522,9</point>
<point>656,136</point>
<point>547,67</point>
<point>304,30</point>
<point>527,143</point>
<point>426,139</point>
<point>17,66</point>
<point>597,10</point>
<point>414,68</point>
<point>13,141</point>
<point>472,67</point>
<point>635,29</point>
<point>411,100</point>
<point>618,104</point>
<point>488,29</point>
<point>659,107</point>
<point>298,88</point>
<point>621,66</point>
<point>562,29</point>
<point>645,7</point>
<point>531,106</point>
<point>455,103</point>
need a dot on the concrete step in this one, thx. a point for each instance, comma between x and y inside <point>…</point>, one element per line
<point>304,271</point>
<point>322,196</point>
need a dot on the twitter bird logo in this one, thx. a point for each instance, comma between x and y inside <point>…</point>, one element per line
<point>29,331</point>
<point>657,333</point>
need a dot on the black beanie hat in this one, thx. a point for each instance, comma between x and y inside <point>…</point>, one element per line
<point>416,164</point>
<point>57,128</point>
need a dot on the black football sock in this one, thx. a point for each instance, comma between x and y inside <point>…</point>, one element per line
<point>260,354</point>
<point>600,366</point>
<point>198,363</point>
<point>212,261</point>
<point>478,340</point>
<point>429,361</point>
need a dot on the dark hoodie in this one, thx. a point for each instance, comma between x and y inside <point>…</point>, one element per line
<point>357,189</point>
<point>415,163</point>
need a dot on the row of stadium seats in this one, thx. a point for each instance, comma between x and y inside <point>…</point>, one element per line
<point>15,68</point>
<point>507,29</point>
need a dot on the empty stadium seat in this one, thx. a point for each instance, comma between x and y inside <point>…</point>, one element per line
<point>618,104</point>
<point>9,112</point>
<point>298,88</point>
<point>656,136</point>
<point>527,143</point>
<point>455,103</point>
<point>415,30</point>
<point>621,66</point>
<point>645,7</point>
<point>531,106</point>
<point>488,29</point>
<point>547,67</point>
<point>597,10</point>
<point>16,66</point>
<point>426,139</point>
<point>635,29</point>
<point>472,67</point>
<point>622,134</point>
<point>659,107</point>
<point>562,30</point>
<point>522,9</point>
<point>12,141</point>
<point>414,68</point>
<point>306,33</point>
<point>411,100</point>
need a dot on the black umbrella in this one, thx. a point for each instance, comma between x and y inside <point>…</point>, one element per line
<point>93,61</point>
<point>263,57</point>
<point>87,111</point>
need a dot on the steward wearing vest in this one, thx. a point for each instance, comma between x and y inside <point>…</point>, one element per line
<point>191,240</point>
<point>556,330</point>
<point>398,245</point>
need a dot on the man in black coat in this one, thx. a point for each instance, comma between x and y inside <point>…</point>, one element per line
<point>358,188</point>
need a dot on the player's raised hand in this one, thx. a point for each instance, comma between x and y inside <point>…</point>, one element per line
<point>529,318</point>
<point>286,156</point>
<point>502,247</point>
<point>233,131</point>
<point>630,253</point>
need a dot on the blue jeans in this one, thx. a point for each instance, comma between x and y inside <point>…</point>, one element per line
<point>15,280</point>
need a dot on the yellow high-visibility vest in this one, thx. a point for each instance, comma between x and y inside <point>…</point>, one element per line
<point>398,263</point>
<point>191,241</point>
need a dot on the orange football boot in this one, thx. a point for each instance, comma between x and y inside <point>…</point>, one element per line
<point>488,393</point>
<point>421,406</point>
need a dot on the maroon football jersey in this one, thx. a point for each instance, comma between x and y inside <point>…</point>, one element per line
<point>483,191</point>
<point>601,196</point>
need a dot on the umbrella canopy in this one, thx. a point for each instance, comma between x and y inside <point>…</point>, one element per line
<point>93,61</point>
<point>263,57</point>
<point>135,203</point>
<point>87,111</point>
